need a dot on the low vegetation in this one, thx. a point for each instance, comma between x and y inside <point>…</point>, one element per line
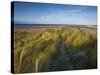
<point>40,51</point>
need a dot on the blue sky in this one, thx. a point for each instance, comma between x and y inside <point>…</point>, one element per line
<point>41,13</point>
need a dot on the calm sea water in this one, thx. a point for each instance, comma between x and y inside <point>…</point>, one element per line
<point>88,28</point>
<point>51,25</point>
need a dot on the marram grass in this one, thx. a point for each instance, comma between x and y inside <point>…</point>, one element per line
<point>40,51</point>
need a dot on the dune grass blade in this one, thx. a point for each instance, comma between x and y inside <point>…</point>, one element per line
<point>21,56</point>
<point>37,65</point>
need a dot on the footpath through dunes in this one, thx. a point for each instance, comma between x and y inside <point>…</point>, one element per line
<point>63,57</point>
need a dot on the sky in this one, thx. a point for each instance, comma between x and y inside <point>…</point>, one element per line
<point>43,13</point>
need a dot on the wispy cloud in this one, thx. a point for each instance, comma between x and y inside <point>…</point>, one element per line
<point>58,14</point>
